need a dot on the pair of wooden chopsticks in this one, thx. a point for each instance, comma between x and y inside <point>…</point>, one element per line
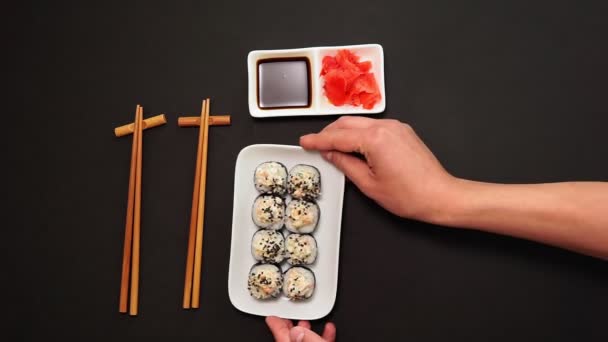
<point>192,285</point>
<point>130,259</point>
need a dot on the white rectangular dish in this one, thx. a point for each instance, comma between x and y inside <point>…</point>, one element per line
<point>327,234</point>
<point>319,104</point>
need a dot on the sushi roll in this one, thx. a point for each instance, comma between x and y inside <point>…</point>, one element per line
<point>271,178</point>
<point>268,212</point>
<point>301,249</point>
<point>301,216</point>
<point>265,281</point>
<point>304,182</point>
<point>268,246</point>
<point>298,283</point>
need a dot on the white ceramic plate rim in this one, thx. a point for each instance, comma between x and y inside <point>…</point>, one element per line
<point>306,313</point>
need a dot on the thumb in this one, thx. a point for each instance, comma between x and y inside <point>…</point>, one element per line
<point>300,334</point>
<point>354,168</point>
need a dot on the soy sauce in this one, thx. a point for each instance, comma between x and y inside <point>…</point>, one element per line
<point>284,83</point>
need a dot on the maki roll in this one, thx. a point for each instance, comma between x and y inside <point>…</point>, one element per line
<point>298,283</point>
<point>265,281</point>
<point>271,178</point>
<point>268,212</point>
<point>268,246</point>
<point>301,216</point>
<point>304,182</point>
<point>301,249</point>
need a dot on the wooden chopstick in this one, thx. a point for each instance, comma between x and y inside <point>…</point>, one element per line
<point>151,122</point>
<point>198,256</point>
<point>193,219</point>
<point>137,219</point>
<point>126,255</point>
<point>195,121</point>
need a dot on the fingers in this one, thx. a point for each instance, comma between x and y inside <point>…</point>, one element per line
<point>344,140</point>
<point>354,168</point>
<point>284,331</point>
<point>329,333</point>
<point>301,334</point>
<point>304,324</point>
<point>279,327</point>
<point>358,122</point>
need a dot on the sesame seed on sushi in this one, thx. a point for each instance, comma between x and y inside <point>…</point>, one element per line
<point>298,283</point>
<point>268,212</point>
<point>300,249</point>
<point>301,216</point>
<point>265,281</point>
<point>304,182</point>
<point>271,178</point>
<point>268,246</point>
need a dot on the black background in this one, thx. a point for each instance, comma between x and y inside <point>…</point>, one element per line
<point>503,91</point>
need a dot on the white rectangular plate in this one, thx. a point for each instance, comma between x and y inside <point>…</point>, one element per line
<point>327,234</point>
<point>319,103</point>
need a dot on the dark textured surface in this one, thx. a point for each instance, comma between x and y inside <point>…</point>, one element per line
<point>506,91</point>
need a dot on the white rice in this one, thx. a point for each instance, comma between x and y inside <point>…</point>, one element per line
<point>301,249</point>
<point>304,181</point>
<point>265,281</point>
<point>301,216</point>
<point>299,283</point>
<point>268,212</point>
<point>268,246</point>
<point>271,177</point>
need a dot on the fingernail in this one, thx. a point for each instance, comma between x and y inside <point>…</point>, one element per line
<point>304,136</point>
<point>297,334</point>
<point>327,155</point>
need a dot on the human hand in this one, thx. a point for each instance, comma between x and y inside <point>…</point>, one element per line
<point>399,172</point>
<point>284,331</point>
